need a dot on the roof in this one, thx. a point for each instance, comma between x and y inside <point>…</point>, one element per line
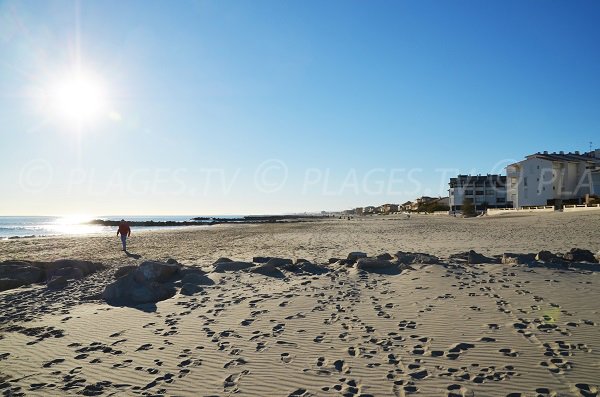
<point>588,157</point>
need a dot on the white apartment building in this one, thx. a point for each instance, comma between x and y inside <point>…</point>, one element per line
<point>484,191</point>
<point>553,179</point>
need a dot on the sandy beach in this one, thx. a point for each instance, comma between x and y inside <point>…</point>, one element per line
<point>445,329</point>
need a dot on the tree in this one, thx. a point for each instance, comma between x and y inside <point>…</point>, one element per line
<point>467,208</point>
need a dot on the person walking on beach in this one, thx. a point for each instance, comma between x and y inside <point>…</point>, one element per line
<point>124,231</point>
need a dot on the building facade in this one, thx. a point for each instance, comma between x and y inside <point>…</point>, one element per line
<point>484,191</point>
<point>553,179</point>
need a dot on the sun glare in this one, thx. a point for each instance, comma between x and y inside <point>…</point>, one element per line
<point>79,98</point>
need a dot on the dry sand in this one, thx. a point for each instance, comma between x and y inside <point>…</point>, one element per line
<point>484,330</point>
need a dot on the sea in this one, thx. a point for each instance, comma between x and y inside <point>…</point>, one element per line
<point>36,226</point>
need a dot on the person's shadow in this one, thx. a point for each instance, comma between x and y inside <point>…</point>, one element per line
<point>134,256</point>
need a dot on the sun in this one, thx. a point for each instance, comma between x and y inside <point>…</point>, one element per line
<point>79,98</point>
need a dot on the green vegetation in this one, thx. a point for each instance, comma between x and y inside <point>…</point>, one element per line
<point>432,206</point>
<point>467,208</point>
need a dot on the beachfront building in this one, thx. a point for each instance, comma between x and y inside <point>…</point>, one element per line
<point>553,179</point>
<point>368,210</point>
<point>387,208</point>
<point>484,191</point>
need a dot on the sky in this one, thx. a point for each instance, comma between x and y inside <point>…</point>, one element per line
<point>256,107</point>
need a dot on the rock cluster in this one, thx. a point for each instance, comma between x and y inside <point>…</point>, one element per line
<point>56,275</point>
<point>152,282</point>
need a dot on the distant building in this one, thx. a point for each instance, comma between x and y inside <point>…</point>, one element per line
<point>484,191</point>
<point>406,206</point>
<point>553,179</point>
<point>369,210</point>
<point>358,210</point>
<point>387,208</point>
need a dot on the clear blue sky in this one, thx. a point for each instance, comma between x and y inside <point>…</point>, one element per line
<point>216,107</point>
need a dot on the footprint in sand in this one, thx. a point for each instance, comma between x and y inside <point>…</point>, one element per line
<point>230,384</point>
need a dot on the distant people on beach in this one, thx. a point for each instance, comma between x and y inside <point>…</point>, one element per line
<point>124,231</point>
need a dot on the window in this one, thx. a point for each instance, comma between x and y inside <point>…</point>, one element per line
<point>479,192</point>
<point>525,181</point>
<point>468,192</point>
<point>500,200</point>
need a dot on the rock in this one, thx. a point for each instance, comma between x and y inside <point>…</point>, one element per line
<point>221,260</point>
<point>333,260</point>
<point>547,256</point>
<point>128,291</point>
<point>124,270</point>
<point>196,278</point>
<point>190,289</point>
<point>373,263</point>
<point>17,273</point>
<point>150,293</point>
<point>385,257</point>
<point>172,261</point>
<point>69,273</point>
<point>598,256</point>
<point>58,282</point>
<point>261,259</point>
<point>312,268</point>
<point>24,273</point>
<point>57,267</point>
<point>10,283</point>
<point>354,256</point>
<point>277,262</point>
<point>267,269</point>
<point>231,266</point>
<point>509,258</point>
<point>473,258</point>
<point>580,255</point>
<point>300,260</point>
<point>150,271</point>
<point>410,258</point>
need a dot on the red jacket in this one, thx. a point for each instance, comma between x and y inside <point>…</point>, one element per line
<point>124,229</point>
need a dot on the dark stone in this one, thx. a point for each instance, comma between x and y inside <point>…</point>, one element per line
<point>312,268</point>
<point>580,255</point>
<point>373,263</point>
<point>128,291</point>
<point>277,262</point>
<point>261,259</point>
<point>58,282</point>
<point>385,257</point>
<point>172,261</point>
<point>231,266</point>
<point>267,269</point>
<point>10,283</point>
<point>196,278</point>
<point>300,260</point>
<point>124,270</point>
<point>220,260</point>
<point>57,267</point>
<point>410,258</point>
<point>354,256</point>
<point>150,271</point>
<point>547,256</point>
<point>473,258</point>
<point>190,289</point>
<point>333,260</point>
<point>17,273</point>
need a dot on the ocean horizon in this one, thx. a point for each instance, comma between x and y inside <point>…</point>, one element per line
<point>38,226</point>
